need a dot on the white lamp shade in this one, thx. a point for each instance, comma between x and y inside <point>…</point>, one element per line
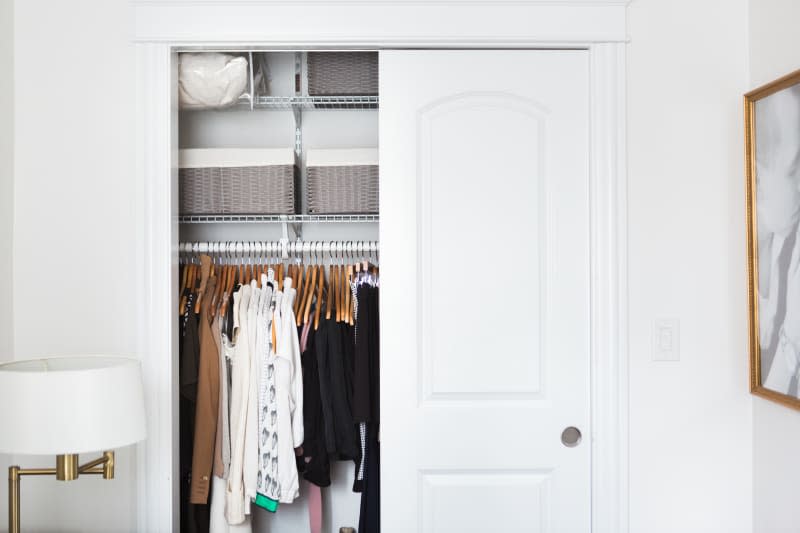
<point>67,405</point>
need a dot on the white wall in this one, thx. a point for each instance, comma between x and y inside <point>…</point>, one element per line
<point>774,51</point>
<point>6,201</point>
<point>691,447</point>
<point>690,421</point>
<point>74,230</point>
<point>6,176</point>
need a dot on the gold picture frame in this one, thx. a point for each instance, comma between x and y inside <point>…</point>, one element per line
<point>772,162</point>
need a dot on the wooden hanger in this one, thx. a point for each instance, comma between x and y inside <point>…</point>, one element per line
<point>229,288</point>
<point>201,283</point>
<point>331,297</point>
<point>320,283</point>
<point>352,313</point>
<point>339,299</point>
<point>182,293</point>
<point>310,290</point>
<point>334,295</point>
<point>310,295</point>
<point>298,318</point>
<point>297,281</point>
<point>348,294</point>
<point>300,296</point>
<point>301,283</point>
<point>310,287</point>
<point>343,289</point>
<point>329,294</point>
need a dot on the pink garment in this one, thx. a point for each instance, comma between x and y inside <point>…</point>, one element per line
<point>315,508</point>
<point>304,336</point>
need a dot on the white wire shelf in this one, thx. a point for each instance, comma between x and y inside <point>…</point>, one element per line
<point>276,219</point>
<point>314,102</point>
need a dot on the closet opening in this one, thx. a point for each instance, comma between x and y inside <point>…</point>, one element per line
<point>279,279</point>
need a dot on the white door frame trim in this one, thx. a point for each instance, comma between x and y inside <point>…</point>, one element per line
<point>163,27</point>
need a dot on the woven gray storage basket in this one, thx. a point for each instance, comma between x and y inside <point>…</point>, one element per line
<point>258,190</point>
<point>343,189</point>
<point>342,73</point>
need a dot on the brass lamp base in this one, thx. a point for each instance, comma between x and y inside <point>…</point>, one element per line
<point>67,469</point>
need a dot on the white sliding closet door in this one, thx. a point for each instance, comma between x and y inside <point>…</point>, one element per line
<point>485,291</point>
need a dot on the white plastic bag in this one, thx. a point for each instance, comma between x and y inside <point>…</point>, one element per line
<point>211,79</point>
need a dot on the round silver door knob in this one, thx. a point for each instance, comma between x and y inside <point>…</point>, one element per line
<point>571,437</point>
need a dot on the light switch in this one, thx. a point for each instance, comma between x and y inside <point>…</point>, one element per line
<point>666,340</point>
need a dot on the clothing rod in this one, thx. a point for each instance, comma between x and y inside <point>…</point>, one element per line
<point>266,248</point>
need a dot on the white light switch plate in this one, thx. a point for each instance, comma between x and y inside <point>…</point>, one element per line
<point>666,339</point>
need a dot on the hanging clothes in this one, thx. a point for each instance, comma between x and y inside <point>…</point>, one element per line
<point>268,495</point>
<point>334,343</point>
<point>235,504</point>
<point>195,517</point>
<point>250,464</point>
<point>265,401</point>
<point>219,495</point>
<point>222,443</point>
<point>366,405</point>
<point>207,403</point>
<point>366,375</point>
<point>289,387</point>
<point>316,463</point>
<point>369,520</point>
